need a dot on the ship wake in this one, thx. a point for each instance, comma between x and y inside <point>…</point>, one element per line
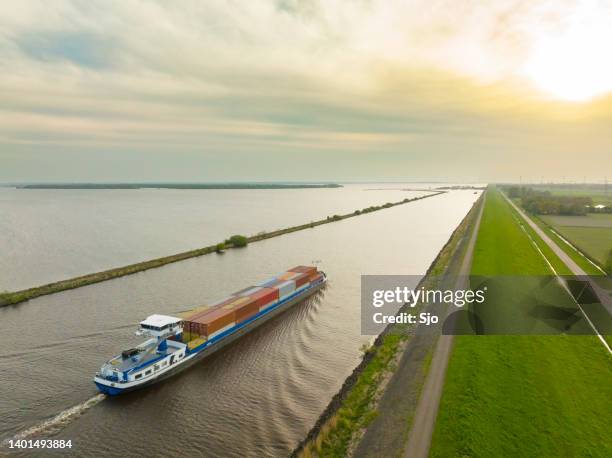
<point>59,421</point>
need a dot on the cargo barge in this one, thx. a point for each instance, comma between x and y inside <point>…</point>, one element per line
<point>176,342</point>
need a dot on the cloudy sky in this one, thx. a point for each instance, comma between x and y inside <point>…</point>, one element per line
<point>458,90</point>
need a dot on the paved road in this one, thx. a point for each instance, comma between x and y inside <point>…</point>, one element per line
<point>426,412</point>
<point>603,295</point>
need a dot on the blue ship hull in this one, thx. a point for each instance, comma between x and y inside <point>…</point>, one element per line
<point>223,340</point>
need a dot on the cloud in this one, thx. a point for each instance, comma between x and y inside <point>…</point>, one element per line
<point>275,77</point>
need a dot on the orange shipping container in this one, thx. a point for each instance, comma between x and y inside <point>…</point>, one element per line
<point>236,303</point>
<point>246,311</point>
<point>288,276</point>
<point>304,269</point>
<point>215,320</point>
<point>198,312</point>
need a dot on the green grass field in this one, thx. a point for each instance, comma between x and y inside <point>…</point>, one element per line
<point>522,395</point>
<point>590,220</point>
<point>577,256</point>
<point>591,234</point>
<point>594,241</point>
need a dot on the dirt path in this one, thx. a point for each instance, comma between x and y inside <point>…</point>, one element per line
<point>424,421</point>
<point>386,435</point>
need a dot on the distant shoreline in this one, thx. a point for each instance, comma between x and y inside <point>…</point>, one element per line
<point>9,298</point>
<point>178,186</point>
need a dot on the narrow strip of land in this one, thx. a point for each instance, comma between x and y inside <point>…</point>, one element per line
<point>424,420</point>
<point>15,297</point>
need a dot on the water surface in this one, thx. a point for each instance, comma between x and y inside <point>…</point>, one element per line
<point>257,397</point>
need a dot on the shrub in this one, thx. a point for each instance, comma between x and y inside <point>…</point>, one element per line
<point>220,247</point>
<point>238,241</point>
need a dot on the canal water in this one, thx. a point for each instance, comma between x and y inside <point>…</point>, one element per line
<point>257,397</point>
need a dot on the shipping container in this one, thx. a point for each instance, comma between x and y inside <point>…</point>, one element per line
<point>195,311</point>
<point>212,321</point>
<point>235,303</point>
<point>268,282</point>
<point>264,296</point>
<point>196,342</point>
<point>248,291</point>
<point>304,269</point>
<point>285,288</point>
<point>316,277</point>
<point>222,330</point>
<point>288,275</point>
<point>246,311</point>
<point>301,279</point>
<point>215,306</point>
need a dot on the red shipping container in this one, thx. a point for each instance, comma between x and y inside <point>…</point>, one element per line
<point>301,279</point>
<point>264,296</point>
<point>304,269</point>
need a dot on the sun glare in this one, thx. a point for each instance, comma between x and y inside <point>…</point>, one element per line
<point>574,65</point>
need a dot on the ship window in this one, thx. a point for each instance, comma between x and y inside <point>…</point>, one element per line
<point>148,372</point>
<point>156,367</point>
<point>137,376</point>
<point>164,363</point>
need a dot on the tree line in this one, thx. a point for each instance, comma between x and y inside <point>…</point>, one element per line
<point>545,203</point>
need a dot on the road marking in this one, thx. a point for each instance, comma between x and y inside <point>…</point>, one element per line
<point>597,333</point>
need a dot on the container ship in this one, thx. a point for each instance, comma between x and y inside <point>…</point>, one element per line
<point>176,342</point>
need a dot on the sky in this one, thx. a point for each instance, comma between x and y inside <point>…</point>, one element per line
<point>305,90</point>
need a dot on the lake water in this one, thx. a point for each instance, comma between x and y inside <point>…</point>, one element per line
<point>50,235</point>
<point>257,397</point>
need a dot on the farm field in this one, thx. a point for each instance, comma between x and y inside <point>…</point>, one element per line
<point>522,395</point>
<point>592,234</point>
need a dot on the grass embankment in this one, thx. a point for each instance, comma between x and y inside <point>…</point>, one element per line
<point>7,298</point>
<point>522,395</point>
<point>354,407</point>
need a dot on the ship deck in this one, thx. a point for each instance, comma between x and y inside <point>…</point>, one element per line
<point>144,358</point>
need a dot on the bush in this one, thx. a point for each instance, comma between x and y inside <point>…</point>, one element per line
<point>238,241</point>
<point>220,247</point>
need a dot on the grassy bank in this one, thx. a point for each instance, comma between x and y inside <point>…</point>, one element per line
<point>522,395</point>
<point>15,297</point>
<point>343,422</point>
